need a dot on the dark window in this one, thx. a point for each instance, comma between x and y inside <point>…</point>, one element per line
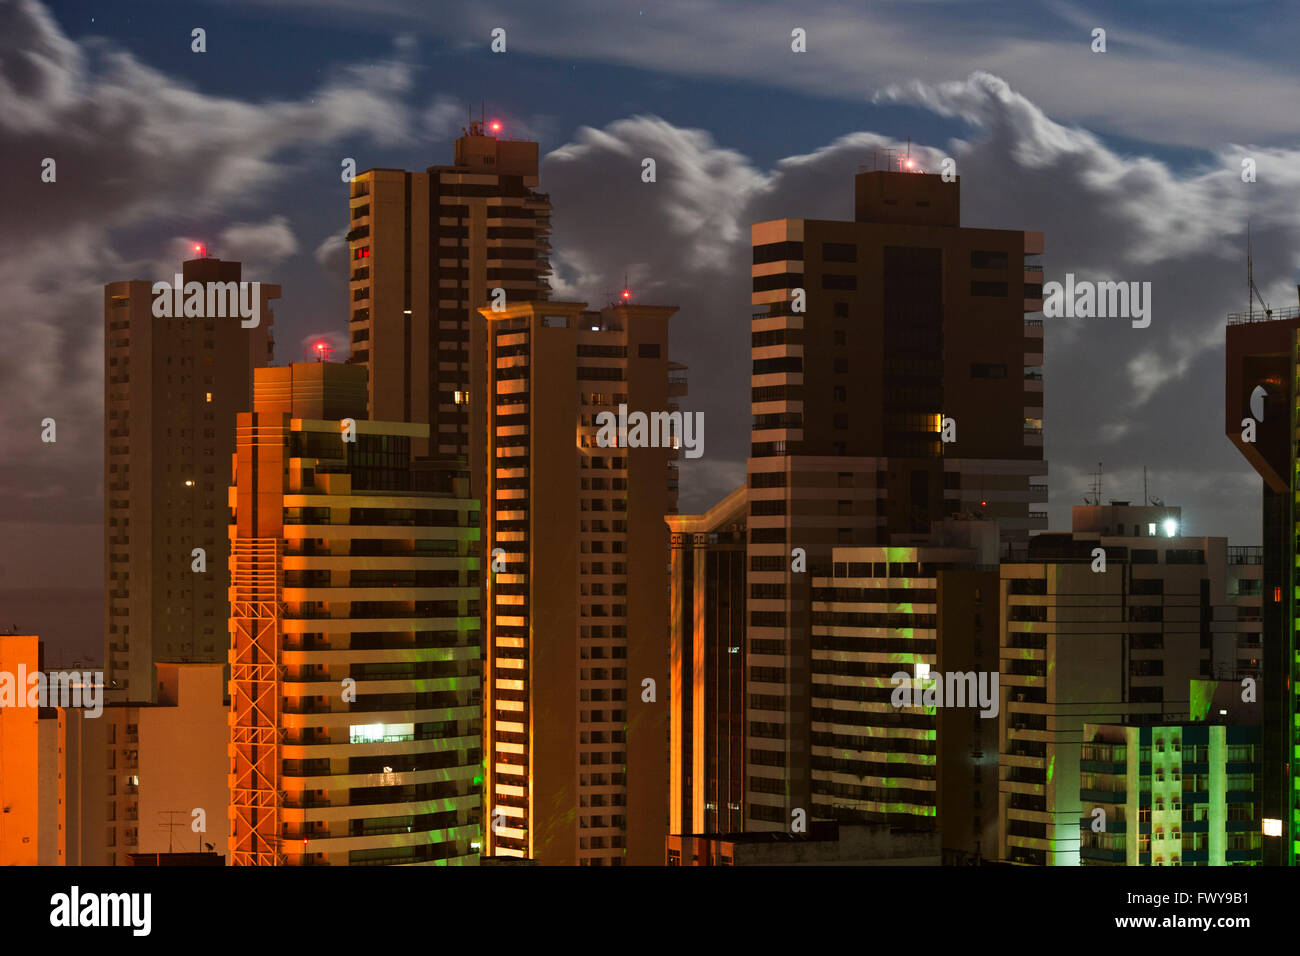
<point>841,310</point>
<point>988,289</point>
<point>782,280</point>
<point>988,260</point>
<point>987,370</point>
<point>776,251</point>
<point>648,350</point>
<point>831,281</point>
<point>839,252</point>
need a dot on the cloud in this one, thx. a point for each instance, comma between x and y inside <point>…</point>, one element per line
<point>136,153</point>
<point>444,117</point>
<point>264,243</point>
<point>1128,396</point>
<point>1148,87</point>
<point>332,253</point>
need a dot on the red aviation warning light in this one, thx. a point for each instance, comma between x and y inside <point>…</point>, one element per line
<point>199,250</point>
<point>495,126</point>
<point>322,351</point>
<point>627,294</point>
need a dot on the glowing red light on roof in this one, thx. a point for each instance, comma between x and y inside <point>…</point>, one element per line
<point>495,126</point>
<point>627,294</point>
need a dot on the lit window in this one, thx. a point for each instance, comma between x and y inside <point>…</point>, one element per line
<point>208,398</point>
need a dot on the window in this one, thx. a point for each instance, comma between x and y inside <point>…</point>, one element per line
<point>987,370</point>
<point>980,259</point>
<point>839,252</point>
<point>777,251</point>
<point>993,289</point>
<point>648,350</point>
<point>832,281</point>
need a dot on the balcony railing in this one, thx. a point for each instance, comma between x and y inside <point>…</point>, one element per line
<point>1263,315</point>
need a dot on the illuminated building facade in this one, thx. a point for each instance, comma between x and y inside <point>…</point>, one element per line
<point>922,608</point>
<point>1082,645</point>
<point>706,743</point>
<point>1174,794</point>
<point>30,771</point>
<point>1260,419</point>
<point>577,694</point>
<point>426,251</point>
<point>355,697</point>
<point>172,388</point>
<point>866,336</point>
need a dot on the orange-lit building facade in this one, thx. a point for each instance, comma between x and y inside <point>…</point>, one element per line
<point>30,780</point>
<point>355,700</point>
<point>576,699</point>
<point>707,733</point>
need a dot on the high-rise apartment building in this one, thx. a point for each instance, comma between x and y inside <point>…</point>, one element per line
<point>896,381</point>
<point>1174,794</point>
<point>172,388</point>
<point>354,628</point>
<point>926,606</point>
<point>426,251</point>
<point>1089,642</point>
<point>1260,405</point>
<point>577,677</point>
<point>706,743</point>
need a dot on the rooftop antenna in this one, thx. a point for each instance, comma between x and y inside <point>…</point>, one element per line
<point>621,298</point>
<point>1096,485</point>
<point>1252,292</point>
<point>1146,496</point>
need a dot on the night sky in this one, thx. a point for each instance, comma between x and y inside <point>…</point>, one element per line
<point>1128,160</point>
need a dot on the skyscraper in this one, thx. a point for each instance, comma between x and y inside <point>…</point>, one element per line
<point>1260,406</point>
<point>577,692</point>
<point>707,734</point>
<point>427,250</point>
<point>172,387</point>
<point>354,629</point>
<point>896,381</point>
